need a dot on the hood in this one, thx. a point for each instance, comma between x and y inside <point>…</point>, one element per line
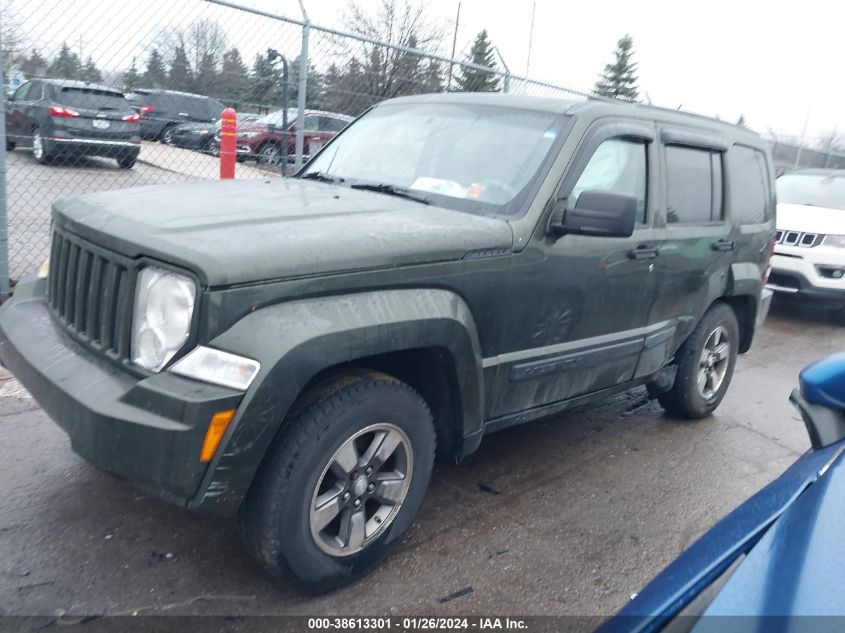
<point>797,567</point>
<point>809,219</point>
<point>242,231</point>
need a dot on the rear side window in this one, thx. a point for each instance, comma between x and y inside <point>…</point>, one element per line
<point>92,99</point>
<point>618,165</point>
<point>35,92</point>
<point>749,185</point>
<point>694,185</point>
<point>330,124</point>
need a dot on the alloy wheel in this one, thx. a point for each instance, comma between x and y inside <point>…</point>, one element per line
<point>361,489</point>
<point>37,145</point>
<point>713,362</point>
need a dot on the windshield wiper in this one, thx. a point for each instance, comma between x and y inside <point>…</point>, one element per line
<point>318,175</point>
<point>391,190</point>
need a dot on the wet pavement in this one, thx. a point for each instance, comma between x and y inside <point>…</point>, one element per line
<point>590,506</point>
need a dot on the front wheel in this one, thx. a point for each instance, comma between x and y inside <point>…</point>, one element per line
<point>271,155</point>
<point>705,365</point>
<point>10,145</point>
<point>340,487</point>
<point>128,161</point>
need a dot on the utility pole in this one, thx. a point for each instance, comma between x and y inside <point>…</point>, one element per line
<point>454,44</point>
<point>803,135</point>
<point>530,39</point>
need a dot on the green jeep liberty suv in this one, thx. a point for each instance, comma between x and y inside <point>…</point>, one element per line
<point>297,350</point>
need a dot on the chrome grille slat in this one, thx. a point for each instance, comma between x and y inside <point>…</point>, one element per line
<point>798,238</point>
<point>90,293</point>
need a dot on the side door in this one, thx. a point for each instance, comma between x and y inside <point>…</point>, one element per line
<point>15,113</point>
<point>698,244</point>
<point>579,305</point>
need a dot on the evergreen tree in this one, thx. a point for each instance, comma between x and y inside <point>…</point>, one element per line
<point>205,76</point>
<point>66,65</point>
<point>34,65</point>
<point>619,79</point>
<point>130,77</point>
<point>265,81</point>
<point>741,122</point>
<point>179,75</point>
<point>155,76</point>
<point>474,79</point>
<point>90,72</point>
<point>234,80</point>
<point>432,77</point>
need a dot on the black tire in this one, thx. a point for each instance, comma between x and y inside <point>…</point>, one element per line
<point>837,316</point>
<point>40,149</point>
<point>10,146</point>
<point>276,517</point>
<point>166,135</point>
<point>128,161</point>
<point>686,399</point>
<point>271,155</point>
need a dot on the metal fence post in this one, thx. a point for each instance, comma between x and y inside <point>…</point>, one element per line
<point>4,236</point>
<point>303,86</point>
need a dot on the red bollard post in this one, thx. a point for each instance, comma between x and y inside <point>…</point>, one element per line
<point>228,130</point>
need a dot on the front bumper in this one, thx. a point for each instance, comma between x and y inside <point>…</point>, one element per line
<point>146,430</point>
<point>796,273</point>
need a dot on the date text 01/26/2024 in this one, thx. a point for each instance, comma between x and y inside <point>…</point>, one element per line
<point>416,624</point>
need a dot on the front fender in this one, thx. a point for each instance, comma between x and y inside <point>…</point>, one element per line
<point>294,341</point>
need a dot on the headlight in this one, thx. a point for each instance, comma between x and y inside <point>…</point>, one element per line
<point>217,367</point>
<point>837,241</point>
<point>247,134</point>
<point>164,305</point>
<point>200,131</point>
<point>44,269</point>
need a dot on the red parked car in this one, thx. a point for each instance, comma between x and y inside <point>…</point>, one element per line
<point>265,139</point>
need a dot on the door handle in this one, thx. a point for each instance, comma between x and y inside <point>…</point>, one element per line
<point>723,245</point>
<point>644,251</point>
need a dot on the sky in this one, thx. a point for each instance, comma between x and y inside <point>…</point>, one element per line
<point>778,64</point>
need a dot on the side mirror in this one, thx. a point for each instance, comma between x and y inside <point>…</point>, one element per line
<point>599,213</point>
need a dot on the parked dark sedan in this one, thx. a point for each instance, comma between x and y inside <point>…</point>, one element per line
<point>63,117</point>
<point>777,557</point>
<point>200,136</point>
<point>162,110</point>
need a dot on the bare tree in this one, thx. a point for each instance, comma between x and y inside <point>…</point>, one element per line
<point>386,71</point>
<point>831,141</point>
<point>12,38</point>
<point>203,42</point>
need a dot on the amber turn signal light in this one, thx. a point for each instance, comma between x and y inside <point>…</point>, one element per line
<point>216,430</point>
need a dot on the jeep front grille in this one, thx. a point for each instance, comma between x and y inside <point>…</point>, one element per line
<point>797,238</point>
<point>90,292</point>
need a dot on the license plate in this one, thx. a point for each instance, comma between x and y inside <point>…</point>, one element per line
<point>100,124</point>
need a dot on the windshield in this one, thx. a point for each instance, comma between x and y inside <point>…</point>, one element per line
<point>818,190</point>
<point>466,157</point>
<point>277,117</point>
<point>92,99</point>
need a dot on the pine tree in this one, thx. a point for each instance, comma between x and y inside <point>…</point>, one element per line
<point>741,122</point>
<point>474,79</point>
<point>206,76</point>
<point>130,77</point>
<point>66,65</point>
<point>34,65</point>
<point>432,77</point>
<point>90,72</point>
<point>619,79</point>
<point>155,76</point>
<point>179,75</point>
<point>265,81</point>
<point>234,81</point>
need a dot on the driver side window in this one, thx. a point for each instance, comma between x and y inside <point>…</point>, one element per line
<point>20,93</point>
<point>618,165</point>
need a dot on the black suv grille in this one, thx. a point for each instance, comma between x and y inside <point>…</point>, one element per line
<point>90,292</point>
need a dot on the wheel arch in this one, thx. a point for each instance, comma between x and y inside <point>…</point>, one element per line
<point>425,337</point>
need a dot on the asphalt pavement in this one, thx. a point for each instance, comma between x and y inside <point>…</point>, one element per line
<point>569,515</point>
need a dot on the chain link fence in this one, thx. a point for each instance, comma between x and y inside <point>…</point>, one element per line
<point>115,95</point>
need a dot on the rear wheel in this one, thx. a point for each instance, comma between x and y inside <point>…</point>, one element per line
<point>705,365</point>
<point>342,485</point>
<point>10,145</point>
<point>127,161</point>
<point>39,152</point>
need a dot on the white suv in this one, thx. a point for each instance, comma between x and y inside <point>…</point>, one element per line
<point>809,258</point>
